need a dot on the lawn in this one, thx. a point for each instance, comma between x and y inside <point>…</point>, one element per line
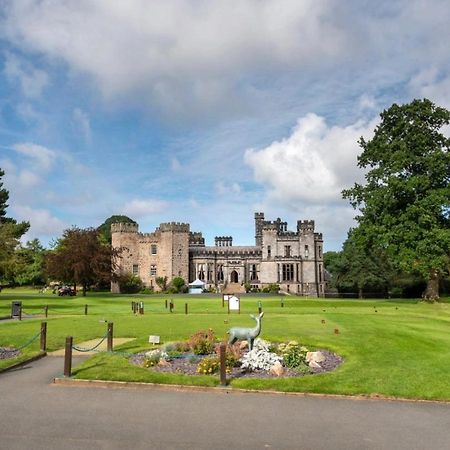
<point>392,348</point>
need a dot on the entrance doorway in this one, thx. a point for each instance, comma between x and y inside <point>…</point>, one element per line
<point>234,277</point>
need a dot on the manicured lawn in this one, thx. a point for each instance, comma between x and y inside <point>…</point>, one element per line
<point>394,348</point>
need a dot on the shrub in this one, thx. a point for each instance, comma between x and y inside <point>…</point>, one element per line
<point>153,357</point>
<point>273,288</point>
<point>208,366</point>
<point>202,342</point>
<point>147,290</point>
<point>178,284</point>
<point>260,357</point>
<point>129,283</point>
<point>294,355</point>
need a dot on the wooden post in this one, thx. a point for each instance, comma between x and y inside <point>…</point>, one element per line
<point>171,305</point>
<point>68,357</point>
<point>259,307</point>
<point>110,337</point>
<point>185,308</point>
<point>46,310</point>
<point>223,365</point>
<point>20,312</point>
<point>132,306</point>
<point>141,311</point>
<point>85,309</point>
<point>43,336</point>
<point>166,303</point>
<point>282,303</point>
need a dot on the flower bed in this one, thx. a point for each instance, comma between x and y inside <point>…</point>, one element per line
<point>7,352</point>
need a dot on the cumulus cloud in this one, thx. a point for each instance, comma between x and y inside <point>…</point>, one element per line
<point>140,208</point>
<point>32,81</point>
<point>313,164</point>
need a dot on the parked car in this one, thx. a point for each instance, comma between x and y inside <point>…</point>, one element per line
<point>67,290</point>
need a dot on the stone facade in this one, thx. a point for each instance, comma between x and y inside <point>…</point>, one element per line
<point>292,259</point>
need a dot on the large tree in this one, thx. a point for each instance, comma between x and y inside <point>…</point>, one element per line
<point>10,233</point>
<point>105,227</point>
<point>405,201</point>
<point>81,258</point>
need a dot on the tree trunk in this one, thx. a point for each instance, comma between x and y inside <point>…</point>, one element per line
<point>360,292</point>
<point>84,290</point>
<point>431,293</point>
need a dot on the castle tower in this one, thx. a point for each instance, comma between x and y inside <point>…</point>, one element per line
<point>259,223</point>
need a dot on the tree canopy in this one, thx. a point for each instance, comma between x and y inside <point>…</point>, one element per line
<point>105,227</point>
<point>405,201</point>
<point>81,258</point>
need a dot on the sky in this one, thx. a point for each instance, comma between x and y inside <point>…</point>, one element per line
<point>204,111</point>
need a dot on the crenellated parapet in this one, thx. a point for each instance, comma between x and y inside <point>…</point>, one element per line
<point>196,239</point>
<point>223,241</point>
<point>237,251</point>
<point>177,227</point>
<point>304,226</point>
<point>124,228</point>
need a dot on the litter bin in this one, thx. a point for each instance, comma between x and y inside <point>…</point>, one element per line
<point>15,309</point>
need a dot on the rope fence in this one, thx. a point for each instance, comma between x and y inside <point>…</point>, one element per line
<point>84,350</point>
<point>24,345</point>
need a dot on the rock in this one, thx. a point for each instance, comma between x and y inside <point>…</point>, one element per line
<point>243,345</point>
<point>277,369</point>
<point>163,363</point>
<point>314,359</point>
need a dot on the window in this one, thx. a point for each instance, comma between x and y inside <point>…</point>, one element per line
<point>287,250</point>
<point>253,272</point>
<point>201,272</point>
<point>153,249</point>
<point>288,272</point>
<point>220,273</point>
<point>152,270</point>
<point>210,272</point>
<point>269,251</point>
<point>320,251</point>
<point>320,273</point>
<point>306,251</point>
<point>135,269</point>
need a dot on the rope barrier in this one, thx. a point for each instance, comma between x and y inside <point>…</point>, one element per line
<point>23,346</point>
<point>79,349</point>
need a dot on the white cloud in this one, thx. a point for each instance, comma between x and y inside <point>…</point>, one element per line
<point>31,80</point>
<point>223,188</point>
<point>81,120</point>
<point>312,165</point>
<point>43,157</point>
<point>138,208</point>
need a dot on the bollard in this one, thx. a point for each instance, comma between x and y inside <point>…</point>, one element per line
<point>68,357</point>
<point>110,337</point>
<point>46,310</point>
<point>185,308</point>
<point>132,306</point>
<point>166,303</point>
<point>171,306</point>
<point>85,309</point>
<point>282,303</point>
<point>259,307</point>
<point>43,336</point>
<point>223,365</point>
<point>141,308</point>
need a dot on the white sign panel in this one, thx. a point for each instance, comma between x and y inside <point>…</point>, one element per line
<point>233,303</point>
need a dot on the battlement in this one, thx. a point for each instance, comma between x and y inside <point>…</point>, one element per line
<point>124,228</point>
<point>196,239</point>
<point>174,227</point>
<point>305,225</point>
<point>223,241</point>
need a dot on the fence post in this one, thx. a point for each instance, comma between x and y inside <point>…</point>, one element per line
<point>68,357</point>
<point>43,336</point>
<point>171,305</point>
<point>259,307</point>
<point>185,308</point>
<point>20,312</point>
<point>223,367</point>
<point>141,308</point>
<point>282,303</point>
<point>110,337</point>
<point>132,306</point>
<point>166,303</point>
<point>85,309</point>
<point>46,310</point>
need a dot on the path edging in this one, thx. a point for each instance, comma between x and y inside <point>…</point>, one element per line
<point>109,384</point>
<point>22,363</point>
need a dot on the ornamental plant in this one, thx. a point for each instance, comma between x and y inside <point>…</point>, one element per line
<point>260,358</point>
<point>202,342</point>
<point>208,366</point>
<point>293,354</point>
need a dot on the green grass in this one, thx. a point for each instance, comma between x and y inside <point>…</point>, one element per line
<point>391,348</point>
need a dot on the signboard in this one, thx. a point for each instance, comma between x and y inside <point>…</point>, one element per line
<point>234,302</point>
<point>153,339</point>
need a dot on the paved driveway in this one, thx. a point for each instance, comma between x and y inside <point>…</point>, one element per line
<point>34,414</point>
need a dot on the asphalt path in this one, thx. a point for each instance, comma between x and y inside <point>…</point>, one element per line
<point>36,414</point>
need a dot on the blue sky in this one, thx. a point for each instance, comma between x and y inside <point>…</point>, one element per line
<point>204,111</point>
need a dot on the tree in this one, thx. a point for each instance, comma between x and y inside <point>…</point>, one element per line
<point>105,227</point>
<point>360,266</point>
<point>162,283</point>
<point>29,264</point>
<point>81,258</point>
<point>10,233</point>
<point>178,284</point>
<point>405,202</point>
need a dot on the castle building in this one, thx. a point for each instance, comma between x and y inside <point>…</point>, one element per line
<point>292,259</point>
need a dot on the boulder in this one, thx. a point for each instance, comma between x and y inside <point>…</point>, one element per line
<point>163,363</point>
<point>277,369</point>
<point>314,359</point>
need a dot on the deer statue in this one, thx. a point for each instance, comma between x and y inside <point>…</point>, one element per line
<point>246,334</point>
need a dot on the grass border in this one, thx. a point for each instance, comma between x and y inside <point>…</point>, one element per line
<point>22,363</point>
